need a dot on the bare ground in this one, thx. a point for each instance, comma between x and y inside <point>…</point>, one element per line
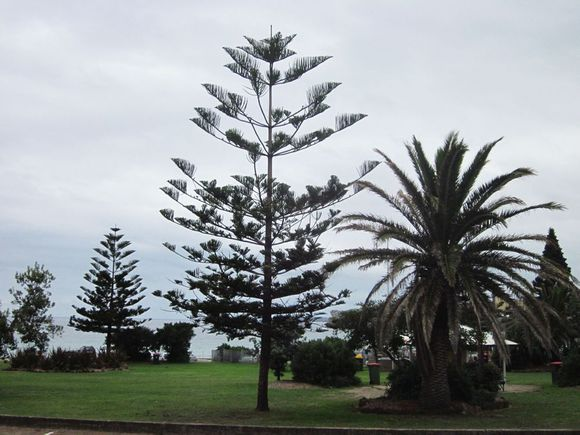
<point>515,388</point>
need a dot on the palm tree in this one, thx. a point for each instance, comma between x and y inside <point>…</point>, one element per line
<point>449,251</point>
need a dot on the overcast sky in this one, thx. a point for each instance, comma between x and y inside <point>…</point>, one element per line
<point>96,96</point>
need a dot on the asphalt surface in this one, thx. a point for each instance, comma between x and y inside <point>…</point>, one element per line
<point>14,430</point>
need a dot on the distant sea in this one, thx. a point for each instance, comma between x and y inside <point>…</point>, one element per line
<point>202,342</point>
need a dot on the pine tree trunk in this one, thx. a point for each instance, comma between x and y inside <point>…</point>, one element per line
<point>108,341</point>
<point>264,370</point>
<point>266,338</point>
<point>435,394</point>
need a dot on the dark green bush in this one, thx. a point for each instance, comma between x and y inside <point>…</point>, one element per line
<point>485,377</point>
<point>460,384</point>
<point>327,362</point>
<point>135,343</point>
<point>471,384</point>
<point>26,359</point>
<point>175,339</point>
<point>483,398</point>
<point>113,360</point>
<point>570,371</point>
<point>279,358</point>
<point>60,360</point>
<point>404,381</point>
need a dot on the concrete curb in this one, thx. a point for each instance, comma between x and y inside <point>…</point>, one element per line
<point>215,429</point>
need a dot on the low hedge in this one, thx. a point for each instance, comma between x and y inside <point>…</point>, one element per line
<point>60,360</point>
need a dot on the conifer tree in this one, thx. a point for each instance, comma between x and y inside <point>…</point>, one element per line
<point>564,300</point>
<point>258,283</point>
<point>552,255</point>
<point>112,301</point>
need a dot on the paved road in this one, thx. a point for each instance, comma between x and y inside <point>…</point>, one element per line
<point>13,430</point>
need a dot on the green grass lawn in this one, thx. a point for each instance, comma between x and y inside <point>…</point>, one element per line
<point>226,393</point>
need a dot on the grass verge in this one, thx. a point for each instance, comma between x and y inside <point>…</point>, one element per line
<point>226,393</point>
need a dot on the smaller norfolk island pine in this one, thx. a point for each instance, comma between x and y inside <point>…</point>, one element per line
<point>113,301</point>
<point>261,283</point>
<point>563,299</point>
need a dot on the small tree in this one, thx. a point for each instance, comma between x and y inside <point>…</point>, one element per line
<point>261,285</point>
<point>175,339</point>
<point>31,319</point>
<point>113,302</point>
<point>360,327</point>
<point>6,333</point>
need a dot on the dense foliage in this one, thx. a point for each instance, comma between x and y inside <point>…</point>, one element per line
<point>7,340</point>
<point>60,360</point>
<point>112,302</point>
<point>447,256</point>
<point>563,302</point>
<point>259,283</point>
<point>570,371</point>
<point>175,339</point>
<point>135,343</point>
<point>563,299</point>
<point>404,381</point>
<point>329,362</point>
<point>360,328</point>
<point>282,354</point>
<point>472,383</point>
<point>31,318</point>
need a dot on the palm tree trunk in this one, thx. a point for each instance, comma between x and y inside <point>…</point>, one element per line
<point>435,394</point>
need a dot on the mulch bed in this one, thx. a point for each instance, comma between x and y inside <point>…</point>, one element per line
<point>382,405</point>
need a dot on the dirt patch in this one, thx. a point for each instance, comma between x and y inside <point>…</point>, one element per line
<point>515,388</point>
<point>370,391</point>
<point>291,385</point>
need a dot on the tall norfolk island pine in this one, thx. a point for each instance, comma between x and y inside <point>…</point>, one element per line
<point>257,285</point>
<point>112,302</point>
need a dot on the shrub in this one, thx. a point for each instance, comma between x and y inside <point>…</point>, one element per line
<point>279,357</point>
<point>404,381</point>
<point>327,362</point>
<point>485,377</point>
<point>483,398</point>
<point>460,384</point>
<point>472,383</point>
<point>26,359</point>
<point>135,343</point>
<point>70,360</point>
<point>111,360</point>
<point>570,371</point>
<point>175,339</point>
<point>60,360</point>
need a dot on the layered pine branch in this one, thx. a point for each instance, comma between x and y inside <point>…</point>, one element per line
<point>259,227</point>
